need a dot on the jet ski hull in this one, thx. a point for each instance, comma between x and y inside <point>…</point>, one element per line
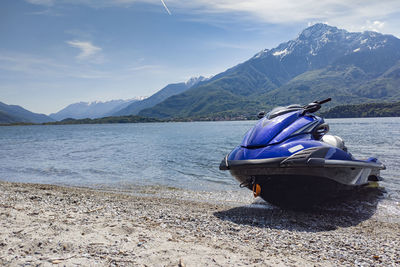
<point>340,171</point>
<point>303,178</point>
<point>297,191</point>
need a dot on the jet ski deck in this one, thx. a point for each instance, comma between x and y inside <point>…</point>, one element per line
<point>297,160</point>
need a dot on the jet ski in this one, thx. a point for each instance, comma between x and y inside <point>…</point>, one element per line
<point>288,158</point>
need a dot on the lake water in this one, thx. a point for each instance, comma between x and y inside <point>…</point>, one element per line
<point>184,155</point>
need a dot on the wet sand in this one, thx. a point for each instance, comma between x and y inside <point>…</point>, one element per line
<point>49,225</point>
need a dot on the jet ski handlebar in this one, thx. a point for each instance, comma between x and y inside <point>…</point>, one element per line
<point>310,108</point>
<point>323,101</point>
<point>314,106</point>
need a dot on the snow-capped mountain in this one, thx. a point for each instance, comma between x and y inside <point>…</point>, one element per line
<point>322,38</point>
<point>95,109</point>
<point>321,45</point>
<point>161,95</point>
<point>322,61</point>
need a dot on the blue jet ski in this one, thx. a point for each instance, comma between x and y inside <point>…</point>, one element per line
<point>288,158</point>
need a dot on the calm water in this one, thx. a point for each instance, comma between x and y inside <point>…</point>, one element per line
<point>185,155</point>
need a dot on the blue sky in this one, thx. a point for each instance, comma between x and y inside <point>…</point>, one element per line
<point>57,52</point>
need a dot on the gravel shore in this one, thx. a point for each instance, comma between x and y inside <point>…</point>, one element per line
<point>46,225</point>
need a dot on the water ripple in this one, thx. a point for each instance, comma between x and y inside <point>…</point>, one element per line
<point>185,155</point>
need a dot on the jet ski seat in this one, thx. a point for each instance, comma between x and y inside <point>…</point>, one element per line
<point>334,140</point>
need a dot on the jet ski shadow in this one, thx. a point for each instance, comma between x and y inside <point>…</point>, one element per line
<point>347,211</point>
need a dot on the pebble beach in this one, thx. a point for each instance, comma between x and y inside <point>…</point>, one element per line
<point>48,225</point>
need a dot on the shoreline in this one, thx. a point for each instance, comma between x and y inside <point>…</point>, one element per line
<point>169,121</point>
<point>48,225</point>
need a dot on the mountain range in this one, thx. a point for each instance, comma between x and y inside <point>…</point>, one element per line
<point>158,97</point>
<point>14,113</point>
<point>323,61</point>
<point>98,109</point>
<point>92,110</point>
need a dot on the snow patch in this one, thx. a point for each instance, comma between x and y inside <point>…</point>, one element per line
<point>138,98</point>
<point>261,53</point>
<point>195,80</point>
<point>95,102</point>
<point>325,39</point>
<point>280,53</point>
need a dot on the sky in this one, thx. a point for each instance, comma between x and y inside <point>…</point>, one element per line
<point>57,52</point>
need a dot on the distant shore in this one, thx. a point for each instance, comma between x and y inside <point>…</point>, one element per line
<point>366,110</point>
<point>164,121</point>
<point>46,224</point>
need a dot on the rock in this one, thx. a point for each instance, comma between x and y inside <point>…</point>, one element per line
<point>181,264</point>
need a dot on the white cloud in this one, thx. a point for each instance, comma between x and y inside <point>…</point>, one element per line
<point>144,67</point>
<point>88,50</point>
<point>229,45</point>
<point>352,15</point>
<point>34,66</point>
<point>373,26</point>
<point>41,2</point>
<point>355,15</point>
<point>28,64</point>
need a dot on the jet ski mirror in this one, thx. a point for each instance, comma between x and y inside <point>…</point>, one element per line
<point>314,106</point>
<point>261,115</point>
<point>311,108</point>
